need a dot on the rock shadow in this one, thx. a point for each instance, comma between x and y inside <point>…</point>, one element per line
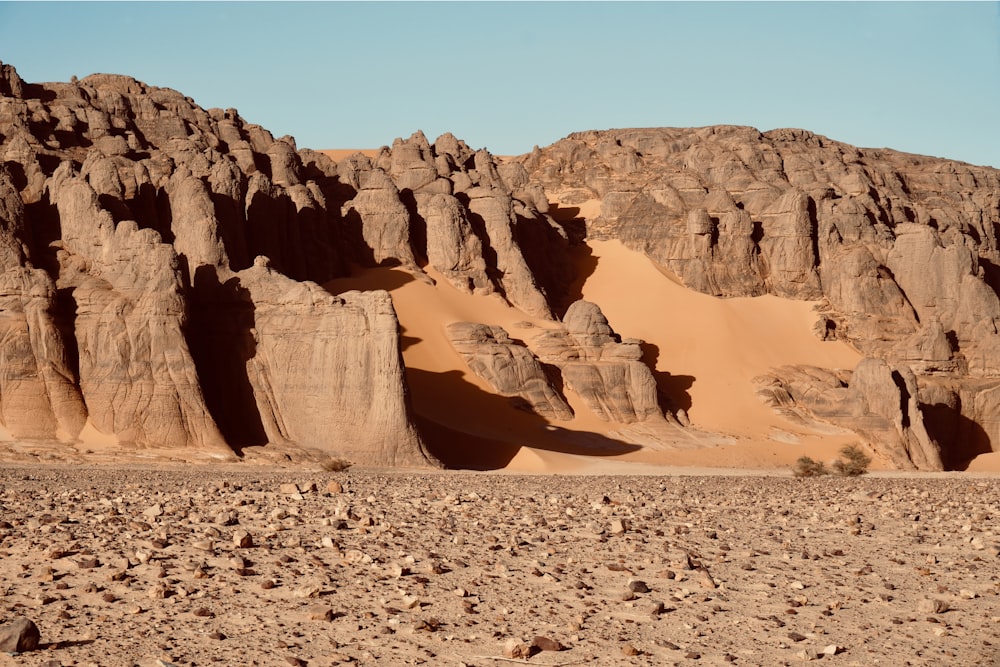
<point>468,428</point>
<point>221,340</point>
<point>671,390</point>
<point>961,439</point>
<point>366,279</point>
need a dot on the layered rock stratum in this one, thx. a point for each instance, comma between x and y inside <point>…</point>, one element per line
<point>174,281</point>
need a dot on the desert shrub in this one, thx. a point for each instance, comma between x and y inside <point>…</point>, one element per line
<point>331,464</point>
<point>854,462</point>
<point>806,467</point>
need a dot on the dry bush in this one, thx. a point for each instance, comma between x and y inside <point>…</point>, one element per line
<point>854,462</point>
<point>806,467</point>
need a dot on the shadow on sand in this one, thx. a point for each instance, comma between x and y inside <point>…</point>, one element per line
<point>466,427</point>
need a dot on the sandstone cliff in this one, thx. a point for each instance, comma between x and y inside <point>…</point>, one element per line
<point>162,265</point>
<point>901,249</point>
<point>162,270</point>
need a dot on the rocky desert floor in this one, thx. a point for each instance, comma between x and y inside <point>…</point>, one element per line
<point>235,565</point>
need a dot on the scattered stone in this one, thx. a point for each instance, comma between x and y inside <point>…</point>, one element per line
<point>242,539</point>
<point>515,649</point>
<point>637,586</point>
<point>319,612</point>
<point>628,649</point>
<point>543,643</point>
<point>19,636</point>
<point>933,606</point>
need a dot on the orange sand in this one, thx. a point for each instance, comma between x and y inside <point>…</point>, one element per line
<point>706,350</point>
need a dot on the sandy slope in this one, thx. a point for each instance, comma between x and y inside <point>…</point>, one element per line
<point>713,346</point>
<point>339,154</point>
<point>706,352</point>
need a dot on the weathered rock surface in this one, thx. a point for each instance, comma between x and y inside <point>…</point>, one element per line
<point>295,366</point>
<point>161,269</point>
<point>900,249</point>
<point>604,370</point>
<point>509,367</point>
<point>19,635</point>
<point>876,401</point>
<point>129,223</point>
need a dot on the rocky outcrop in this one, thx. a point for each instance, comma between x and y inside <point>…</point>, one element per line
<point>290,364</point>
<point>901,250</point>
<point>481,224</point>
<point>887,239</point>
<point>148,319</point>
<point>509,367</point>
<point>161,264</point>
<point>876,401</point>
<point>604,370</point>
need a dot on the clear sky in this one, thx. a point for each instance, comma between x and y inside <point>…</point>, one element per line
<point>923,77</point>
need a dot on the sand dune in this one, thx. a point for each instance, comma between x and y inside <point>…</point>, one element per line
<point>713,346</point>
<point>706,352</point>
<point>338,154</point>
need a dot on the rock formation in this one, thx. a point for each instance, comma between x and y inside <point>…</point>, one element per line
<point>901,249</point>
<point>162,272</point>
<point>589,357</point>
<point>510,368</point>
<point>603,369</point>
<point>134,305</point>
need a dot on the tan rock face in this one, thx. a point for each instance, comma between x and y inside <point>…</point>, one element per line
<point>511,369</point>
<point>604,370</point>
<point>160,272</point>
<point>150,320</point>
<point>901,249</point>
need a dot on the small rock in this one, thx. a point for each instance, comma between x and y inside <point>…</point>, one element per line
<point>637,586</point>
<point>19,635</point>
<point>832,649</point>
<point>807,655</point>
<point>242,539</point>
<point>546,644</point>
<point>319,612</point>
<point>88,563</point>
<point>334,487</point>
<point>705,578</point>
<point>628,649</point>
<point>933,606</point>
<point>515,649</point>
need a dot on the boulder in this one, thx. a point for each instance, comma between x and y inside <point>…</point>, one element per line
<point>509,367</point>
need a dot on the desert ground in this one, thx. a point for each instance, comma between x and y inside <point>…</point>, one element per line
<point>238,564</point>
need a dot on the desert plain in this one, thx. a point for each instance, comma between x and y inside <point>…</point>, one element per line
<point>239,565</point>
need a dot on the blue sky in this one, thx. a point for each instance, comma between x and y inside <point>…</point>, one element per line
<point>921,77</point>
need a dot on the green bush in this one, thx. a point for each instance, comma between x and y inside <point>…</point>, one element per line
<point>854,462</point>
<point>806,467</point>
